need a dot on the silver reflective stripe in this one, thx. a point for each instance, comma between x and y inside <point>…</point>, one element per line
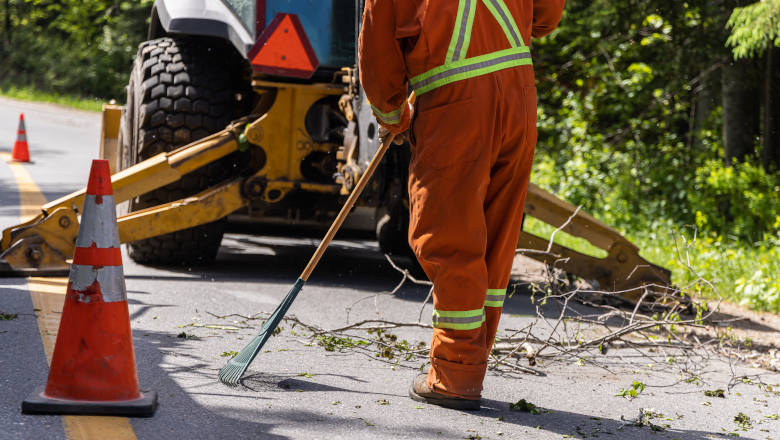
<point>21,125</point>
<point>466,320</point>
<point>391,117</point>
<point>22,137</point>
<point>98,224</point>
<point>495,298</point>
<point>464,20</point>
<point>110,278</point>
<point>508,23</point>
<point>469,68</point>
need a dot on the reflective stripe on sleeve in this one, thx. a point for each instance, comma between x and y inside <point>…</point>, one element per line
<point>458,320</point>
<point>495,298</point>
<point>393,117</point>
<point>470,68</point>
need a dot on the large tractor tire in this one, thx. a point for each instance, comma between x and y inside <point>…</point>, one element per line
<point>181,89</point>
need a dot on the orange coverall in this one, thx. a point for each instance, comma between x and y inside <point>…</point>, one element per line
<point>473,135</point>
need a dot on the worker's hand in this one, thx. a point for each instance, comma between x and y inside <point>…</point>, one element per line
<point>399,139</point>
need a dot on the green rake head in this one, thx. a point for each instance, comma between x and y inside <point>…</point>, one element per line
<point>231,373</point>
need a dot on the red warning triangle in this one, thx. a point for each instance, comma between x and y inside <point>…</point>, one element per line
<point>284,49</point>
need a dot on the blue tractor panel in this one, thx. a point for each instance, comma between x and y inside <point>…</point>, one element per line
<point>329,25</point>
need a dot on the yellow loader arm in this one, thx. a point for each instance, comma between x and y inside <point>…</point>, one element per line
<point>43,245</point>
<point>623,270</point>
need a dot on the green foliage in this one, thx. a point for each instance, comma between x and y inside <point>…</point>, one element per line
<point>616,84</point>
<point>633,392</point>
<point>743,420</point>
<point>741,200</point>
<point>619,84</point>
<point>74,47</point>
<point>7,316</point>
<point>760,291</point>
<point>754,28</point>
<point>714,393</point>
<point>523,406</point>
<point>744,272</point>
<point>331,343</point>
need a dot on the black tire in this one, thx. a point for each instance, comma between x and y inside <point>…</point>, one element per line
<point>181,90</point>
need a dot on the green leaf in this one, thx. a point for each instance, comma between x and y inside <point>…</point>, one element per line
<point>7,316</point>
<point>523,406</point>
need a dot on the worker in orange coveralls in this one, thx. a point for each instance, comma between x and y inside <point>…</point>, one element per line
<point>472,132</point>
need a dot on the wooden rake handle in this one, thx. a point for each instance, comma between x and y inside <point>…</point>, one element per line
<point>350,202</point>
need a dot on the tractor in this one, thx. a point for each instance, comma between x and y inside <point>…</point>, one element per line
<point>251,112</point>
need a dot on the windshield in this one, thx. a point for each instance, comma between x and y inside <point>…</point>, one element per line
<point>245,11</point>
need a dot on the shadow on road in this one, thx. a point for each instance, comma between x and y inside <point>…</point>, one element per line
<point>207,409</point>
<point>350,261</point>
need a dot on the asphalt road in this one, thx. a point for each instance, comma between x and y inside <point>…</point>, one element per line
<point>298,390</point>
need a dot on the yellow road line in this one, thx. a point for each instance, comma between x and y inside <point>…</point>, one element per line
<point>48,297</point>
<point>31,197</point>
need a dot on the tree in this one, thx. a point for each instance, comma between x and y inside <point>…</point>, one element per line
<point>755,28</point>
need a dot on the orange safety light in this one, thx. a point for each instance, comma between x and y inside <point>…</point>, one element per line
<point>284,49</point>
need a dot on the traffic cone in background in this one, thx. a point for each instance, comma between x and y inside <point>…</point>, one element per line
<point>93,367</point>
<point>21,152</point>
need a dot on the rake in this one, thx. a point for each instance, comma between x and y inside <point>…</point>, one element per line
<point>231,373</point>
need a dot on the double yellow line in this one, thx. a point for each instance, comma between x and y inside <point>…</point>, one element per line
<point>48,298</point>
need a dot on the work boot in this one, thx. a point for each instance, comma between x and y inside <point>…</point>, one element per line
<point>420,392</point>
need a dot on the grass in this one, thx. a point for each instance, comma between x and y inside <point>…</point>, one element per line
<point>31,94</point>
<point>745,273</point>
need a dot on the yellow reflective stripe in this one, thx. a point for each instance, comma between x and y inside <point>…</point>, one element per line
<point>467,63</point>
<point>495,297</point>
<point>470,68</point>
<point>461,34</point>
<point>504,17</point>
<point>457,67</point>
<point>458,320</point>
<point>389,118</point>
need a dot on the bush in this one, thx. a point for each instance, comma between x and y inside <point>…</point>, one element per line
<point>741,200</point>
<point>747,273</point>
<point>74,47</point>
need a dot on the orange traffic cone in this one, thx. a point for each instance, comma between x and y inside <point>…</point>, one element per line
<point>93,366</point>
<point>21,153</point>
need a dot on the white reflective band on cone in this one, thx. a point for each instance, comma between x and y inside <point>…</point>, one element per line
<point>98,223</point>
<point>110,278</point>
<point>21,137</point>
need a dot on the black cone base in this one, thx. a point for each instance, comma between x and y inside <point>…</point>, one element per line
<point>35,403</point>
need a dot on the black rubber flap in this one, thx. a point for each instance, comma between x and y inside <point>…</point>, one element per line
<point>35,403</point>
